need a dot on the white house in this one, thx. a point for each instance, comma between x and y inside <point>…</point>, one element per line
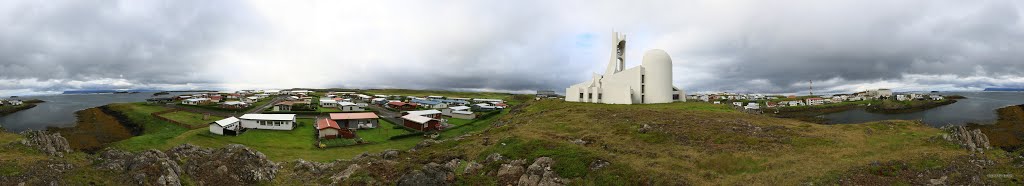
<point>349,106</point>
<point>651,82</point>
<point>902,97</point>
<point>935,97</point>
<point>16,102</point>
<point>738,104</point>
<point>752,105</point>
<point>195,101</point>
<point>268,121</point>
<point>328,103</point>
<point>251,99</point>
<point>461,112</point>
<point>435,97</point>
<point>796,103</point>
<point>228,126</point>
<point>261,96</point>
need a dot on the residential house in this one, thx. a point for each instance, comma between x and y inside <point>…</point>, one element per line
<point>738,104</point>
<point>251,99</point>
<point>195,101</point>
<point>349,106</point>
<point>484,107</point>
<point>268,121</point>
<point>328,103</point>
<point>717,102</point>
<point>356,120</point>
<point>300,92</point>
<point>379,101</point>
<point>752,105</point>
<point>432,104</point>
<point>423,120</point>
<point>935,97</point>
<point>329,129</point>
<point>402,105</point>
<point>283,106</point>
<point>480,100</point>
<point>262,96</point>
<point>796,103</point>
<point>435,97</point>
<point>454,102</point>
<point>461,112</point>
<point>902,97</point>
<point>234,104</point>
<point>15,102</point>
<point>227,126</point>
<point>216,98</point>
<point>815,101</point>
<point>770,104</point>
<point>234,96</point>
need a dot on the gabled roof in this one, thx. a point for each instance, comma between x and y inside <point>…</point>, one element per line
<point>285,103</point>
<point>278,117</point>
<point>417,118</point>
<point>461,112</point>
<point>357,115</point>
<point>326,123</point>
<point>226,121</point>
<point>423,112</point>
<point>459,108</point>
<point>346,104</point>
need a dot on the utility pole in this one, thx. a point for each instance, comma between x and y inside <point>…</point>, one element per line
<point>810,87</point>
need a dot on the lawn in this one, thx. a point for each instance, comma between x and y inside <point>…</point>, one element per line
<point>191,119</point>
<point>156,131</point>
<point>327,109</point>
<point>382,133</point>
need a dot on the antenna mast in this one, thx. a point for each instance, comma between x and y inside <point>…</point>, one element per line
<point>810,87</point>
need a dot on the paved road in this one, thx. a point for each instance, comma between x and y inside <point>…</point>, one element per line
<point>260,108</point>
<point>389,115</point>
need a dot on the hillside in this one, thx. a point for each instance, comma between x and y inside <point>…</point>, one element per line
<point>541,142</point>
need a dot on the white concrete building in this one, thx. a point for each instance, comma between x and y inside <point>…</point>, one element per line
<point>268,121</point>
<point>651,82</point>
<point>349,106</point>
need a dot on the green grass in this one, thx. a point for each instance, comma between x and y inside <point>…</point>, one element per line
<point>570,161</point>
<point>191,119</point>
<point>381,134</point>
<point>327,109</point>
<point>156,132</point>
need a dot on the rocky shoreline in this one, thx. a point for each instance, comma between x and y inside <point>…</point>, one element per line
<point>891,107</point>
<point>97,127</point>
<point>13,109</point>
<point>1008,131</point>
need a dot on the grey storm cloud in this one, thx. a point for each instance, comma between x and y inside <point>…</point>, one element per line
<point>738,46</point>
<point>146,42</point>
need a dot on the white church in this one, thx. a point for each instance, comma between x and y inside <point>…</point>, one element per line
<point>651,82</point>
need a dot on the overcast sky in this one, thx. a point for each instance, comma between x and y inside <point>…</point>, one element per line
<point>736,46</point>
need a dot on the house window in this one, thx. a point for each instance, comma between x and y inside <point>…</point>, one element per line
<point>590,95</point>
<point>599,95</point>
<point>642,98</point>
<point>642,78</point>
<point>643,88</point>
<point>581,95</point>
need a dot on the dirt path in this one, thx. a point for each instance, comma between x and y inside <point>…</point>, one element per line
<point>386,114</point>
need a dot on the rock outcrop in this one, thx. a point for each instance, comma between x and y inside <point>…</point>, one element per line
<point>150,167</point>
<point>232,165</point>
<point>431,174</point>
<point>540,174</point>
<point>51,144</point>
<point>972,140</point>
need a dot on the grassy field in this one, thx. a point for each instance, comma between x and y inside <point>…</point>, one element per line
<point>382,133</point>
<point>277,145</point>
<point>190,118</point>
<point>699,143</point>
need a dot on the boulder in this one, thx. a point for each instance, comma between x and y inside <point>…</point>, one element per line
<point>509,173</point>
<point>389,154</point>
<point>432,174</point>
<point>150,167</point>
<point>598,164</point>
<point>972,140</point>
<point>343,175</point>
<point>472,168</point>
<point>540,174</point>
<point>51,144</point>
<point>494,157</point>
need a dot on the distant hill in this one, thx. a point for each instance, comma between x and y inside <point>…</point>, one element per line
<point>1004,89</point>
<point>102,91</point>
